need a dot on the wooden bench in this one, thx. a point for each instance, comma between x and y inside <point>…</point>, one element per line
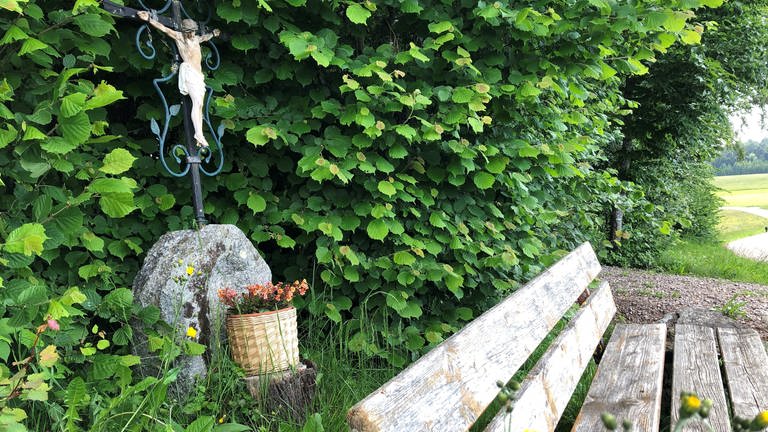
<point>452,385</point>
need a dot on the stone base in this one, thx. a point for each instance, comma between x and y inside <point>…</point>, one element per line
<point>181,276</point>
<point>290,392</point>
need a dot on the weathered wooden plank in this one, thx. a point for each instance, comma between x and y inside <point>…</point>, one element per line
<point>628,382</point>
<point>545,393</point>
<point>696,369</point>
<point>746,370</point>
<point>448,388</point>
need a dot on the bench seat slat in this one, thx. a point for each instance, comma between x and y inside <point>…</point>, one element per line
<point>629,379</point>
<point>696,369</point>
<point>448,388</point>
<point>546,391</point>
<point>746,370</point>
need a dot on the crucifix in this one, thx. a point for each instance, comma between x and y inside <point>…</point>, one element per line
<point>188,64</point>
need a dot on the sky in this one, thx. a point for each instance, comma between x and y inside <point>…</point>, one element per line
<point>752,129</point>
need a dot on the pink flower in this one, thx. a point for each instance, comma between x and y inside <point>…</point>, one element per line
<point>53,324</point>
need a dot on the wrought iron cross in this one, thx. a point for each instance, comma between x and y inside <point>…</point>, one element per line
<point>195,102</point>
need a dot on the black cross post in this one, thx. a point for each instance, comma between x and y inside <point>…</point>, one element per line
<point>193,153</point>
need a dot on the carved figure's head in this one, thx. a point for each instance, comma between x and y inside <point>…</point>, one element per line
<point>188,26</point>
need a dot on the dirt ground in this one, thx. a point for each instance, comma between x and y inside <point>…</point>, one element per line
<point>645,297</point>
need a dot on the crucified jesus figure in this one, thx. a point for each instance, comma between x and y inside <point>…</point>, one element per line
<point>191,78</point>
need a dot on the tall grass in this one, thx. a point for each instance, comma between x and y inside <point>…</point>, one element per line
<point>709,257</point>
<point>712,259</point>
<point>344,377</point>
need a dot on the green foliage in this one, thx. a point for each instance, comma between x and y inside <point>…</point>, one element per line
<point>423,161</point>
<point>733,308</point>
<point>688,206</point>
<point>426,157</point>
<point>680,123</point>
<point>65,176</point>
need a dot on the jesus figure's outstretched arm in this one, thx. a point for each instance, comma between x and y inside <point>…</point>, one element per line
<point>209,36</point>
<point>144,15</point>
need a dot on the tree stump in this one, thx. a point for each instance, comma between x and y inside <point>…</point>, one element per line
<point>288,392</point>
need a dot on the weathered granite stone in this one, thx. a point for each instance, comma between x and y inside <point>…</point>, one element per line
<point>221,256</point>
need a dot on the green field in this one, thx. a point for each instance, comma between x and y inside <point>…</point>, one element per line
<point>735,225</point>
<point>744,190</point>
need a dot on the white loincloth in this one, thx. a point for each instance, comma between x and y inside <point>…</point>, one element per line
<point>192,83</point>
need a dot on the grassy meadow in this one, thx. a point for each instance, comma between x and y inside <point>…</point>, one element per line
<point>744,190</point>
<point>710,258</point>
<point>735,225</point>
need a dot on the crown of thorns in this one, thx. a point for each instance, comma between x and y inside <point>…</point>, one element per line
<point>188,25</point>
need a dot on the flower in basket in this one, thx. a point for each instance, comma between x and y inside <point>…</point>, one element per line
<point>261,326</point>
<point>262,298</point>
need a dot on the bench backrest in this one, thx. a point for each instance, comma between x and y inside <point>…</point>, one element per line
<point>450,387</point>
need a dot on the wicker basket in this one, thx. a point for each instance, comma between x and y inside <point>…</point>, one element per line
<point>264,342</point>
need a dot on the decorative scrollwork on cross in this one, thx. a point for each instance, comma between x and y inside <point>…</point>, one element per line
<point>188,34</point>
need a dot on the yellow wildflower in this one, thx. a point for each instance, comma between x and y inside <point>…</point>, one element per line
<point>191,332</point>
<point>761,420</point>
<point>190,270</point>
<point>689,405</point>
<point>691,402</point>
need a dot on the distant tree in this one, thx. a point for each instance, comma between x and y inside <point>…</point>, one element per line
<point>749,158</point>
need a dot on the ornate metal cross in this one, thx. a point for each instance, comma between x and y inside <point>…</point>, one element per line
<point>188,34</point>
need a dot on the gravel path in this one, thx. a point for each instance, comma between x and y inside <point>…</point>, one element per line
<point>754,247</point>
<point>645,297</point>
